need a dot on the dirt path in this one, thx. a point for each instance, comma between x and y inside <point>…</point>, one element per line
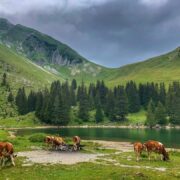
<point>52,157</point>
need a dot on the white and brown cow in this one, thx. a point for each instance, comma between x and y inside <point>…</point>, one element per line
<point>157,147</point>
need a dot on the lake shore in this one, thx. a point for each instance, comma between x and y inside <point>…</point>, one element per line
<point>92,126</point>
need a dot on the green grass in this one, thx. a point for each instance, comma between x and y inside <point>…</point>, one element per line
<point>28,120</point>
<point>101,169</point>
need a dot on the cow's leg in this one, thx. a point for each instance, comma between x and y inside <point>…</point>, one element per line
<point>12,160</point>
<point>149,155</point>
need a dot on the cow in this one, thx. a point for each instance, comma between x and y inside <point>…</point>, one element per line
<point>7,153</point>
<point>76,143</point>
<point>58,142</point>
<point>157,147</point>
<point>138,148</point>
<point>49,140</point>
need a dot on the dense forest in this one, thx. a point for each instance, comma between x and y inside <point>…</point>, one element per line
<point>54,105</point>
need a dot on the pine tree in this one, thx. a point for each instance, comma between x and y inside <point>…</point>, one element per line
<point>4,80</point>
<point>110,106</point>
<point>160,114</point>
<point>121,105</point>
<point>99,114</point>
<point>150,117</point>
<point>162,94</point>
<point>133,97</point>
<point>10,97</point>
<point>74,84</point>
<point>83,103</point>
<point>21,101</point>
<point>31,101</point>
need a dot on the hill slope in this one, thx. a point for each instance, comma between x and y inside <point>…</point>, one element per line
<point>22,72</point>
<point>164,68</point>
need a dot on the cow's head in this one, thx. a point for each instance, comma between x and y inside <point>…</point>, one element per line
<point>166,156</point>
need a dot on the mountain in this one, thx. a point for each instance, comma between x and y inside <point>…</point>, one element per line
<point>61,61</point>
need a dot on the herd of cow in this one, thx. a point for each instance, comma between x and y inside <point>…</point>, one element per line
<point>58,143</point>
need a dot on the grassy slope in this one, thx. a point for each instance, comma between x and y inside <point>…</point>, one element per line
<point>22,72</point>
<point>165,68</point>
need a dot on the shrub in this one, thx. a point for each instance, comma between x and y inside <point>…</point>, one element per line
<point>38,137</point>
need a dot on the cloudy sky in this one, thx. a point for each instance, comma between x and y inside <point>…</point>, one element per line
<point>109,32</point>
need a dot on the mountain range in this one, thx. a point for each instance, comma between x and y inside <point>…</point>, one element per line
<point>33,59</point>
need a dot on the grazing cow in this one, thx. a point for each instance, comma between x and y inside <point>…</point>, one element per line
<point>138,148</point>
<point>7,151</point>
<point>49,140</point>
<point>57,142</point>
<point>157,147</point>
<point>76,143</point>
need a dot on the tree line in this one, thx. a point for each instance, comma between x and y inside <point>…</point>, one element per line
<point>54,105</point>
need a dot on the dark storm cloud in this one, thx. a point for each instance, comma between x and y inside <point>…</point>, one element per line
<point>112,33</point>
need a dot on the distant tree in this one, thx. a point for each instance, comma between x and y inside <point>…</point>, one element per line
<point>31,101</point>
<point>133,97</point>
<point>99,114</point>
<point>150,117</point>
<point>110,106</point>
<point>83,103</point>
<point>74,84</point>
<point>10,97</point>
<point>160,114</point>
<point>4,80</point>
<point>21,101</point>
<point>121,104</point>
<point>162,93</point>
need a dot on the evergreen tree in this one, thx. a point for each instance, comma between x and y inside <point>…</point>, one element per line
<point>74,84</point>
<point>150,118</point>
<point>121,106</point>
<point>10,97</point>
<point>39,104</point>
<point>31,101</point>
<point>110,106</point>
<point>162,94</point>
<point>133,97</point>
<point>21,101</point>
<point>175,109</point>
<point>160,114</point>
<point>83,104</point>
<point>4,80</point>
<point>99,114</point>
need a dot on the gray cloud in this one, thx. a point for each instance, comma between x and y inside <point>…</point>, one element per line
<point>109,32</point>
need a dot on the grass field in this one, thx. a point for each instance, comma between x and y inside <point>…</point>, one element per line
<point>113,165</point>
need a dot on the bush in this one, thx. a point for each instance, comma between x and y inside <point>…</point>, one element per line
<point>38,137</point>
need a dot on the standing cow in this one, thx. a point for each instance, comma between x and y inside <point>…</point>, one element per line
<point>157,147</point>
<point>138,148</point>
<point>76,143</point>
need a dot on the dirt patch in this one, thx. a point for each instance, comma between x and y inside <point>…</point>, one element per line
<point>45,157</point>
<point>120,146</point>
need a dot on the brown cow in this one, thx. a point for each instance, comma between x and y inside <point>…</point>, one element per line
<point>49,140</point>
<point>6,151</point>
<point>157,147</point>
<point>57,142</point>
<point>138,148</point>
<point>76,143</point>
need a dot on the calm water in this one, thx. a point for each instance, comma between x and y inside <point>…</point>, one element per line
<point>169,137</point>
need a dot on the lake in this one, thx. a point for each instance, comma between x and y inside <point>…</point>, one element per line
<point>169,137</point>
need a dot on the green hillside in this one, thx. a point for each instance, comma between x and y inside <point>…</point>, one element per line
<point>164,68</point>
<point>22,72</point>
